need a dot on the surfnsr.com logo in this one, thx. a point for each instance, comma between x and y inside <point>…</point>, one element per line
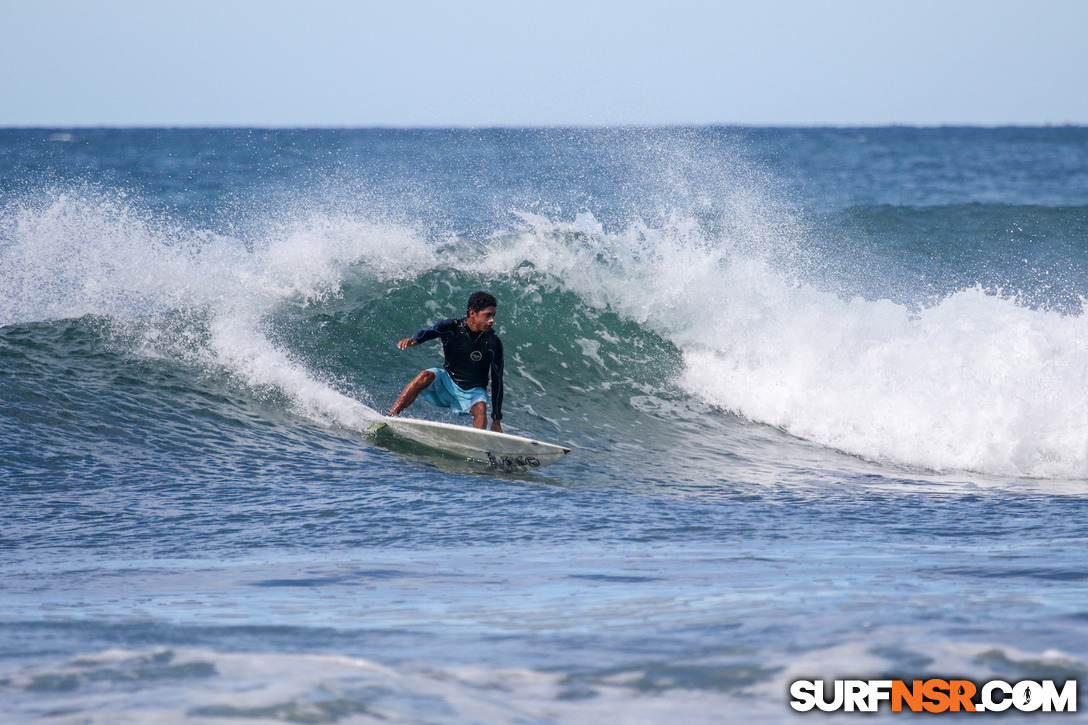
<point>933,695</point>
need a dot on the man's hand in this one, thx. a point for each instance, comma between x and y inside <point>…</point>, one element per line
<point>407,343</point>
<point>496,426</point>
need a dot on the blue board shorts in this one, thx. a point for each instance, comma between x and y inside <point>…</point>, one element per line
<point>445,393</point>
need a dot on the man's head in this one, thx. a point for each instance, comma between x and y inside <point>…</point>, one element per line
<point>481,311</point>
<point>481,300</point>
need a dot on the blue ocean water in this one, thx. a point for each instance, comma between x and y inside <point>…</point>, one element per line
<point>827,391</point>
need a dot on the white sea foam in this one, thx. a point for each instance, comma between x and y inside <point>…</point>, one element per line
<point>167,686</point>
<point>975,382</point>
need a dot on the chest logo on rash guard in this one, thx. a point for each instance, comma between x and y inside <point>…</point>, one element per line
<point>476,356</point>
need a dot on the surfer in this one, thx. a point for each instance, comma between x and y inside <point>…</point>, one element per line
<point>473,353</point>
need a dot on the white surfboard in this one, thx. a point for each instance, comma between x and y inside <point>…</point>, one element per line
<point>498,450</point>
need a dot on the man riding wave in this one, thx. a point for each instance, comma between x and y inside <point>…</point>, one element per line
<point>473,355</point>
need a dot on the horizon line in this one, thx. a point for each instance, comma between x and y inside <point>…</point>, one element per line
<point>535,127</point>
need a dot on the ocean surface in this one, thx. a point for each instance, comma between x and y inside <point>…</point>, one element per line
<point>827,391</point>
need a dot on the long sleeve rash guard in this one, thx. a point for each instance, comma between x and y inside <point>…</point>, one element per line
<point>470,357</point>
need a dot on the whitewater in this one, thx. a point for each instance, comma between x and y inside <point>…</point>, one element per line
<point>826,391</point>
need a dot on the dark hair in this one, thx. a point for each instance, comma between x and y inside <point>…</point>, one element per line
<point>480,301</point>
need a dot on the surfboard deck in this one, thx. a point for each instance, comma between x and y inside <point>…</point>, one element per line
<point>498,450</point>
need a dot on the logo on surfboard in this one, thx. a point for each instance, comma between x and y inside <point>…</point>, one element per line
<point>508,462</point>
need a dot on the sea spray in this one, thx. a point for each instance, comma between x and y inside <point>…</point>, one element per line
<point>190,295</point>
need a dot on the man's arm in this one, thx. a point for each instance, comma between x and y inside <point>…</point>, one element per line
<point>425,334</point>
<point>497,388</point>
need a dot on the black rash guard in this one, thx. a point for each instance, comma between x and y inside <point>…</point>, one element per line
<point>470,357</point>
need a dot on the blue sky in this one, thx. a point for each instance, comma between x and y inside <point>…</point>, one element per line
<point>554,62</point>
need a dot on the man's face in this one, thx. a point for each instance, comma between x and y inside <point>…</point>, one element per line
<point>481,320</point>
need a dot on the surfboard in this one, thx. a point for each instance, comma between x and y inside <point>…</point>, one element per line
<point>498,450</point>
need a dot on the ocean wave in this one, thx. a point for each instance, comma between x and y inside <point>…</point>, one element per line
<point>975,381</point>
